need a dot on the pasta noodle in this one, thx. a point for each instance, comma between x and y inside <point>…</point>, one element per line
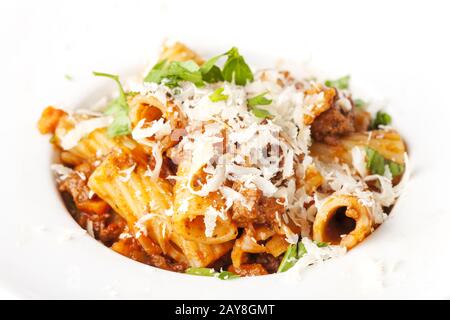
<point>342,220</point>
<point>219,168</point>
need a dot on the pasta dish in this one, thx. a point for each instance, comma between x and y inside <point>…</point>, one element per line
<point>209,168</point>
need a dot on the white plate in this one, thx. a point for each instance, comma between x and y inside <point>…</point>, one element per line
<point>393,52</point>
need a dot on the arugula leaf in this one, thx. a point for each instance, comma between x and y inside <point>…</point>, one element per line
<point>236,69</point>
<point>209,272</point>
<point>259,100</point>
<point>217,95</point>
<point>381,118</point>
<point>289,259</point>
<point>359,103</point>
<point>341,83</point>
<point>118,109</point>
<point>205,272</point>
<point>261,113</point>
<point>227,275</point>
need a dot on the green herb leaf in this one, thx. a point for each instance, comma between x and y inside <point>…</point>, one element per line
<point>301,250</point>
<point>210,64</point>
<point>341,83</point>
<point>396,168</point>
<point>209,272</point>
<point>321,244</point>
<point>68,77</point>
<point>376,164</point>
<point>171,73</point>
<point>213,75</point>
<point>259,100</point>
<point>158,72</point>
<point>381,118</point>
<point>118,109</point>
<point>261,113</point>
<point>186,70</point>
<point>205,272</point>
<point>227,275</point>
<point>289,259</point>
<point>236,69</point>
<point>359,103</point>
<point>218,96</point>
<point>210,72</point>
<point>375,161</point>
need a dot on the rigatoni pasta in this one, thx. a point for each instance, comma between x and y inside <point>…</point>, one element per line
<point>209,168</point>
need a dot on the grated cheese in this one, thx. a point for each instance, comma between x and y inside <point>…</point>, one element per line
<point>61,171</point>
<point>82,129</point>
<point>125,174</point>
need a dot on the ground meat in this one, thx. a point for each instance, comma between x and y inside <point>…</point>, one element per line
<point>76,185</point>
<point>131,248</point>
<point>109,231</point>
<point>332,124</point>
<point>262,209</point>
<point>268,261</point>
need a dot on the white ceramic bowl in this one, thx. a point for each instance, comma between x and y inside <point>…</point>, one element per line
<point>392,57</point>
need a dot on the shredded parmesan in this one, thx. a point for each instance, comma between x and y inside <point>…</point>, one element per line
<point>82,129</point>
<point>125,174</point>
<point>158,128</point>
<point>61,171</point>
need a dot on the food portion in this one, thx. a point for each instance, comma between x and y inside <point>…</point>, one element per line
<point>210,168</point>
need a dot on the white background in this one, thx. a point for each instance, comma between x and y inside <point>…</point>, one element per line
<point>402,46</point>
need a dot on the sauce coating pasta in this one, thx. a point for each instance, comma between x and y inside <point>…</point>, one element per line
<point>209,168</point>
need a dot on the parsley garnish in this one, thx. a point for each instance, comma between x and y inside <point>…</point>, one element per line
<point>341,83</point>
<point>227,275</point>
<point>217,95</point>
<point>261,113</point>
<point>209,272</point>
<point>321,244</point>
<point>118,108</point>
<point>396,168</point>
<point>210,72</point>
<point>375,161</point>
<point>376,164</point>
<point>381,118</point>
<point>294,253</point>
<point>236,69</point>
<point>291,257</point>
<point>170,73</point>
<point>259,100</point>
